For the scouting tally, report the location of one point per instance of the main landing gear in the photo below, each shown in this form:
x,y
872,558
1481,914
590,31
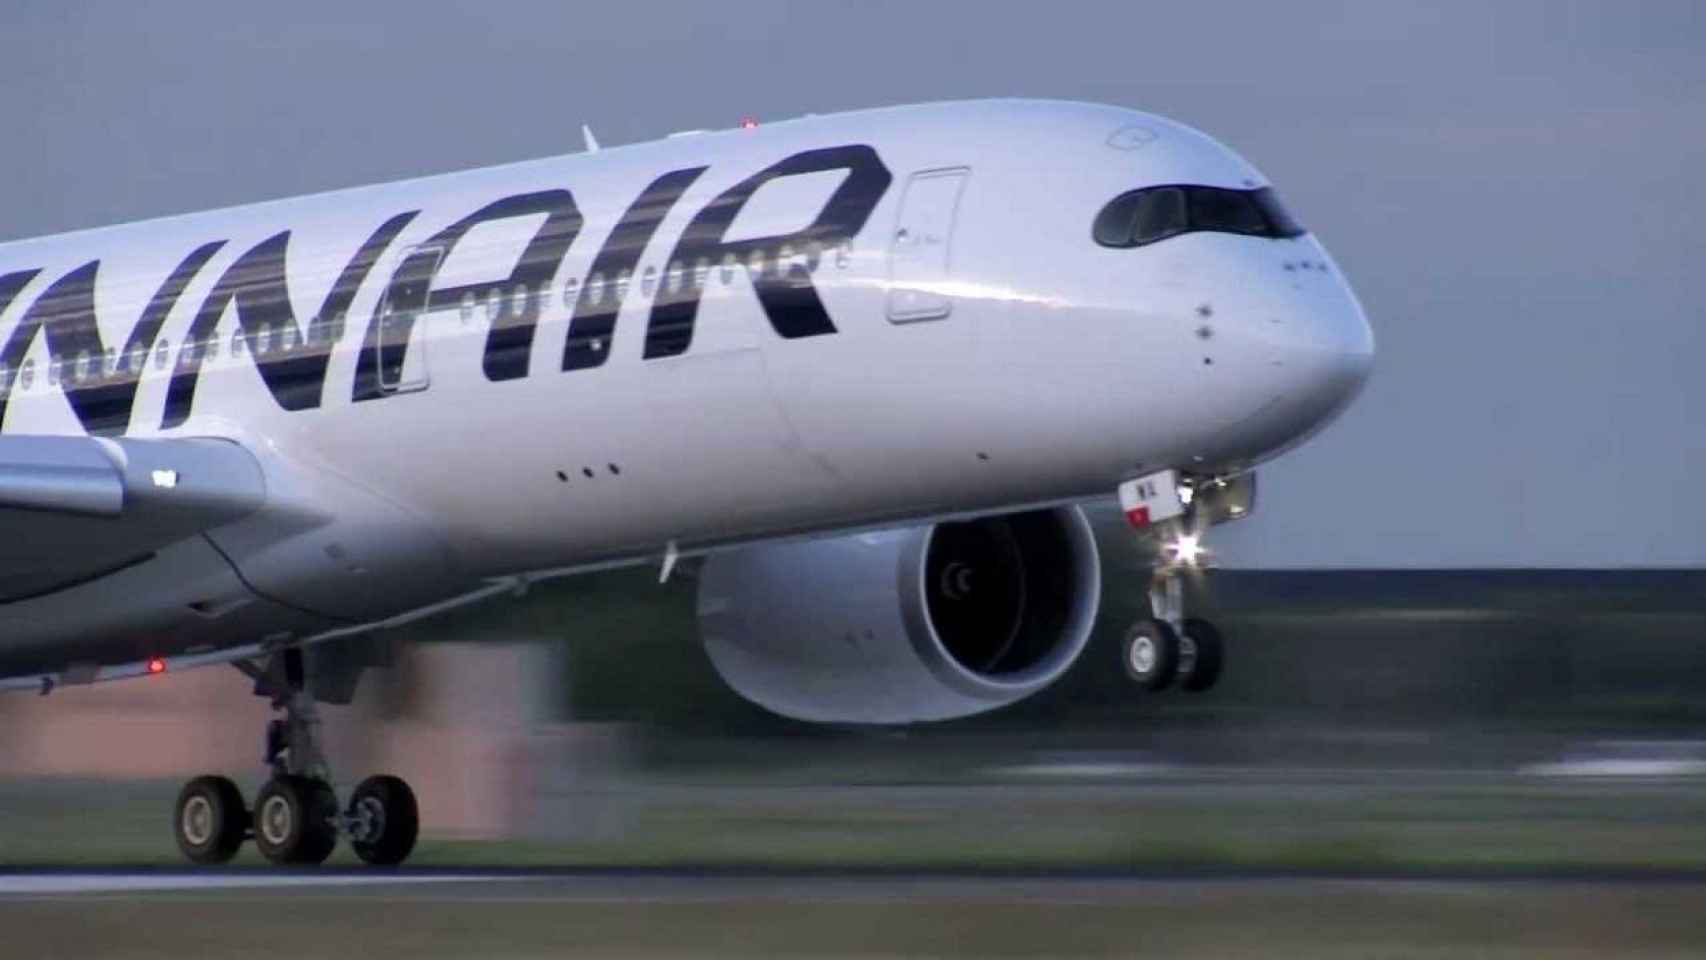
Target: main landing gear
x,y
1168,647
296,819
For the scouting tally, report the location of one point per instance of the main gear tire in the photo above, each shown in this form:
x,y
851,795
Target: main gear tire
x,y
209,820
296,821
384,820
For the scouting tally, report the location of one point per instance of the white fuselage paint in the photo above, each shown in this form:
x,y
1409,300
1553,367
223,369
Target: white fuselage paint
x,y
1061,368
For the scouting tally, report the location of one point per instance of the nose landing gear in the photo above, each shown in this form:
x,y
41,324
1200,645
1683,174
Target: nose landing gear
x,y
1161,650
1168,647
296,819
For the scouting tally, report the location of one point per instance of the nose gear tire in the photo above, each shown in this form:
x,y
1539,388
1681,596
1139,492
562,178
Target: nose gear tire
x,y
1150,653
1210,654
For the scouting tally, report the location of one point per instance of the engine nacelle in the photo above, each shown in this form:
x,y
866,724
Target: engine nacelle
x,y
925,623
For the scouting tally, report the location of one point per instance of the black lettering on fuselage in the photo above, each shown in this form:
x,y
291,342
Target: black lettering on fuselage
x,y
11,285
98,381
292,361
511,337
601,299
784,289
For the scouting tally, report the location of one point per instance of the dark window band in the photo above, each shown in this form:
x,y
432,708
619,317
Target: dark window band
x,y
1155,213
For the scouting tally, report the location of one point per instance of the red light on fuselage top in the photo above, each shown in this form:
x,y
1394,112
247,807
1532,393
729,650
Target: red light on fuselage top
x,y
749,123
156,665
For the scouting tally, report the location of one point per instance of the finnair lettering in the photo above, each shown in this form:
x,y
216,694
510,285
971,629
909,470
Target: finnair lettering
x,y
511,338
101,381
784,289
295,372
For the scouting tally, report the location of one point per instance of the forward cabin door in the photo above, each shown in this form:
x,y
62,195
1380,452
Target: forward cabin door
x,y
404,321
921,247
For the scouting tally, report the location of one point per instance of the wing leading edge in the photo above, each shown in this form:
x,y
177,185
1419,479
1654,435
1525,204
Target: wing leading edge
x,y
75,508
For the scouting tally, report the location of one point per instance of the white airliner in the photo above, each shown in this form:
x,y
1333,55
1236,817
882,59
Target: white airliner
x,y
861,367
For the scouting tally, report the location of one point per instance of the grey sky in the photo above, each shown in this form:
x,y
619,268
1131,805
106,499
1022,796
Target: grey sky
x,y
1513,188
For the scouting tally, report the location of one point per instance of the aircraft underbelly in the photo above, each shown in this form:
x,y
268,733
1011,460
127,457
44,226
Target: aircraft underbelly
x,y
182,599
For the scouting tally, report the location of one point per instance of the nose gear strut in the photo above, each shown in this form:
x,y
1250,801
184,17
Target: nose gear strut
x,y
1173,511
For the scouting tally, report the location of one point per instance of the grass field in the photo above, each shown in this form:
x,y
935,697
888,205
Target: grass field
x,y
1330,821
1251,863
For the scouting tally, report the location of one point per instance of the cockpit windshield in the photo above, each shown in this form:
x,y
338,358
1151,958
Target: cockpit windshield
x,y
1156,213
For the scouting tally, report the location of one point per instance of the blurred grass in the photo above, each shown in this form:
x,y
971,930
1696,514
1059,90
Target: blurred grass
x,y
1345,823
1332,822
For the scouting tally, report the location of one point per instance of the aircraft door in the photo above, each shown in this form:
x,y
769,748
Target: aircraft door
x,y
404,321
920,261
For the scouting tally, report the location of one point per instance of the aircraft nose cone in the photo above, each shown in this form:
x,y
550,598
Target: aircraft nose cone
x,y
1280,349
1326,358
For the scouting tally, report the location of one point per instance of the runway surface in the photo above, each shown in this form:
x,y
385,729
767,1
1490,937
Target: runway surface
x,y
713,913
644,884
663,886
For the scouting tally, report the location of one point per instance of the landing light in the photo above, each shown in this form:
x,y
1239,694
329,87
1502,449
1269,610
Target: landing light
x,y
1188,549
749,123
156,665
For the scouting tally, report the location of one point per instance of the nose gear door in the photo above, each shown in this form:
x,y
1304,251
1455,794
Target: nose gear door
x,y
920,261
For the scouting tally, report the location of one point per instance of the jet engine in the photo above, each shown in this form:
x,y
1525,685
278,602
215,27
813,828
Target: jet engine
x,y
897,626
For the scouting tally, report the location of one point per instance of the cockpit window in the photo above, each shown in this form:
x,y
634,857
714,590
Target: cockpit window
x,y
1278,216
1160,214
1156,213
1226,211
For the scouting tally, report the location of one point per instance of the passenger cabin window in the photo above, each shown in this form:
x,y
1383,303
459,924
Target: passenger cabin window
x,y
1156,213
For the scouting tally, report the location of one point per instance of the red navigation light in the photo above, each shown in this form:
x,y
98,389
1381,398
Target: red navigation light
x,y
156,665
749,123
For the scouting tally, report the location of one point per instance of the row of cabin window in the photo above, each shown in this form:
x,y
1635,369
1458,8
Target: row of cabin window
x,y
91,367
602,290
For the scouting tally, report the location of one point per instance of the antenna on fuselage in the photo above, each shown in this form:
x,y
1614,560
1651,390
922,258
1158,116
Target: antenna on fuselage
x,y
591,141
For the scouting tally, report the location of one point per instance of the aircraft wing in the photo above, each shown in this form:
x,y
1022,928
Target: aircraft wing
x,y
76,508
